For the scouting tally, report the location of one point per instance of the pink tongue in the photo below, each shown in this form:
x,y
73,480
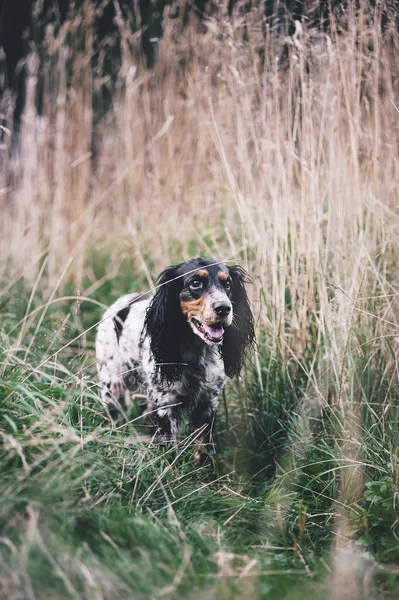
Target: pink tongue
x,y
214,333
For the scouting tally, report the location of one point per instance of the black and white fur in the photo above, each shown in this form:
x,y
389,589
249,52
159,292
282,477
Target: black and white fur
x,y
179,344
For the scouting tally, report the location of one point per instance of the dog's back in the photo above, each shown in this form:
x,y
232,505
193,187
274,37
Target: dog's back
x,y
122,323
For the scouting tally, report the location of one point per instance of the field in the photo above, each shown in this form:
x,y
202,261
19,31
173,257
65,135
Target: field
x,y
280,154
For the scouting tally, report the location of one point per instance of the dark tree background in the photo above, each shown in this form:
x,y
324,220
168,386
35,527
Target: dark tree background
x,y
23,24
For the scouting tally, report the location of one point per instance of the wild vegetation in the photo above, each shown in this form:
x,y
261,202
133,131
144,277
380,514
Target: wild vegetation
x,y
288,167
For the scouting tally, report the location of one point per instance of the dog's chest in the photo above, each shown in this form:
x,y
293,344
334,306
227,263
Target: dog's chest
x,y
203,377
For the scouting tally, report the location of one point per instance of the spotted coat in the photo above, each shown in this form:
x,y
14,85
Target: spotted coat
x,y
125,363
177,346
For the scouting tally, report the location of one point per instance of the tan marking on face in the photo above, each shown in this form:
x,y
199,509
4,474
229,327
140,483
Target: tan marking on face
x,y
200,308
202,273
192,308
222,276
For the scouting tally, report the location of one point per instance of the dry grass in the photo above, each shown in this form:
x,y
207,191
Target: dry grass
x,y
280,165
291,168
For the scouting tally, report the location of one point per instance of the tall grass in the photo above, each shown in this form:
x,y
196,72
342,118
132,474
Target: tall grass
x,y
278,153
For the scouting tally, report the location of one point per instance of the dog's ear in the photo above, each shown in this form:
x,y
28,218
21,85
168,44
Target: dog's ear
x,y
164,325
240,336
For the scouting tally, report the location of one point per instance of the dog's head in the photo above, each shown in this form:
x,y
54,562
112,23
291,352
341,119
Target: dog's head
x,y
203,298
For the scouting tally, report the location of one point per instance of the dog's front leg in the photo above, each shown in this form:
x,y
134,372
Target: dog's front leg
x,y
165,418
202,419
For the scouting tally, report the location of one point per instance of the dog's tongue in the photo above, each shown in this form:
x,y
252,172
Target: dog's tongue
x,y
215,333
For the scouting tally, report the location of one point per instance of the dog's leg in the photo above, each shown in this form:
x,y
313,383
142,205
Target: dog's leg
x,y
166,423
165,418
202,419
112,390
111,368
148,417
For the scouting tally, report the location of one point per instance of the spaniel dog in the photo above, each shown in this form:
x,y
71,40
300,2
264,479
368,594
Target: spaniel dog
x,y
179,344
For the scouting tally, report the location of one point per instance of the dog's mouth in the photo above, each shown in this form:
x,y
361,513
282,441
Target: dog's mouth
x,y
212,333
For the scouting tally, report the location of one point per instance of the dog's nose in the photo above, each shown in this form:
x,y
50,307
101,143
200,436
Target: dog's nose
x,y
222,309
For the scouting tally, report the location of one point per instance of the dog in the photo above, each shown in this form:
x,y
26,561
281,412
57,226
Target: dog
x,y
179,345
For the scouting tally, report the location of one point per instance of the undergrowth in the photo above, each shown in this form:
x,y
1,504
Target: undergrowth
x,y
90,510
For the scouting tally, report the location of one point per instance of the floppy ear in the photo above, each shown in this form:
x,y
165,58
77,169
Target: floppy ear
x,y
164,324
240,336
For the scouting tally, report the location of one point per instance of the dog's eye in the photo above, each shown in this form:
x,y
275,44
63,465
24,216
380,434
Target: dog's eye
x,y
227,284
196,284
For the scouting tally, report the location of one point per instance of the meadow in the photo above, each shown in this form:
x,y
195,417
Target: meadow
x,y
277,153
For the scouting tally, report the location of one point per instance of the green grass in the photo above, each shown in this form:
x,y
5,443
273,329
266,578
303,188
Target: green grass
x,y
89,511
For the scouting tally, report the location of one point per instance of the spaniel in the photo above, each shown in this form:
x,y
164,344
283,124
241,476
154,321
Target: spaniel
x,y
178,345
